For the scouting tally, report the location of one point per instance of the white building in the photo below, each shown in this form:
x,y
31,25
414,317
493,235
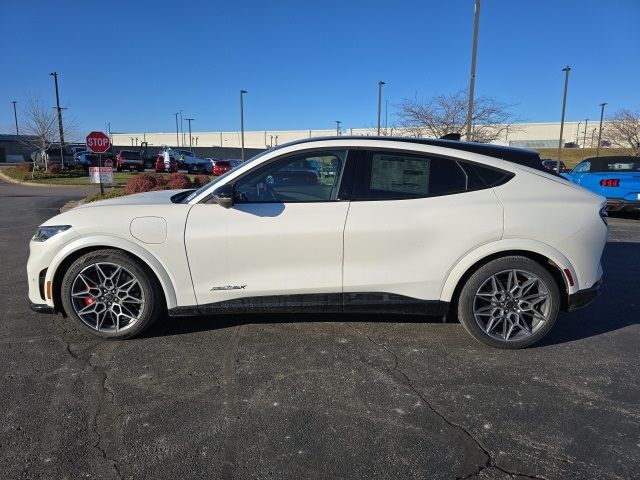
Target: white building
x,y
528,135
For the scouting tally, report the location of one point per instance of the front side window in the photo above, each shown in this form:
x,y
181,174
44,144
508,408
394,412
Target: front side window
x,y
308,177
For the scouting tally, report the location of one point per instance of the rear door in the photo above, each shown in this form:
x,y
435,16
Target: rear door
x,y
412,217
283,236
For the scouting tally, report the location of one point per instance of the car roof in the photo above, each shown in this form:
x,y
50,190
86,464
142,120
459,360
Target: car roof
x,y
529,158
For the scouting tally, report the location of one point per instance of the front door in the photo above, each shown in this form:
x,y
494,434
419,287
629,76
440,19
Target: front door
x,y
282,237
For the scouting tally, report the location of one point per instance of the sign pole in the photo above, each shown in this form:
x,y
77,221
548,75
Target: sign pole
x,y
100,174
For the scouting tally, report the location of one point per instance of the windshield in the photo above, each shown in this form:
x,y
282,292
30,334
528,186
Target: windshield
x,y
221,177
617,165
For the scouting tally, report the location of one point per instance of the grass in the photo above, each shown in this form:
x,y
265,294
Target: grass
x,y
73,177
572,156
113,193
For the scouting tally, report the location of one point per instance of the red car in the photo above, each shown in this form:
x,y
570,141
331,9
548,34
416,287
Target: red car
x,y
173,165
220,167
129,160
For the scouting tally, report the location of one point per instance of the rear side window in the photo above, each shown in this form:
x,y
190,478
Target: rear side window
x,y
399,175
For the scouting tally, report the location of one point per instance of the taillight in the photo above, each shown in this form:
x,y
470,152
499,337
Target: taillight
x,y
604,215
610,182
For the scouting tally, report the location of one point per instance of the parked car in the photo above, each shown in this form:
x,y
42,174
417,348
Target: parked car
x,y
160,166
406,226
617,178
203,167
129,160
220,167
552,165
187,158
78,150
85,160
52,156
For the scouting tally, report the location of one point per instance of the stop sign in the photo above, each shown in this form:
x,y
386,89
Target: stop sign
x,y
98,142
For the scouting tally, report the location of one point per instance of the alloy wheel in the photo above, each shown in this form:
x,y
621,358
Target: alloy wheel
x,y
512,305
107,297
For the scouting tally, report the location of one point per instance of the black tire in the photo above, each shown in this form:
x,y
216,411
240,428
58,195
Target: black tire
x,y
467,300
153,305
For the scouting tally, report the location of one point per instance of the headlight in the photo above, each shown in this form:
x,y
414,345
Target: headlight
x,y
45,233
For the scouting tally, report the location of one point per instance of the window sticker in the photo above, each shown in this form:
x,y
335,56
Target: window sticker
x,y
395,173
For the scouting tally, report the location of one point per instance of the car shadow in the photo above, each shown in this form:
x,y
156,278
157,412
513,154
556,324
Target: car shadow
x,y
618,307
170,326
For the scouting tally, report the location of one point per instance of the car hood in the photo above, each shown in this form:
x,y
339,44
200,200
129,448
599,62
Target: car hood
x,y
160,197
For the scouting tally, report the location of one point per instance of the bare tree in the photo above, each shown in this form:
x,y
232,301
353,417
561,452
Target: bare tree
x,y
623,130
39,127
444,114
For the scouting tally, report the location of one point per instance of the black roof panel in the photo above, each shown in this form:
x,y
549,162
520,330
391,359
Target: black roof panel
x,y
529,158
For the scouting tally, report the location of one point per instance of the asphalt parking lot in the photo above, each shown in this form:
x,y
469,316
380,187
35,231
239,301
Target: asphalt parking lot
x,y
285,396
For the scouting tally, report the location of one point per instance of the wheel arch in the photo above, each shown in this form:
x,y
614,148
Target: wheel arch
x,y
546,256
76,249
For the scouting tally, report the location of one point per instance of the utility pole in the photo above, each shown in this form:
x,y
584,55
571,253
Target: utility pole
x,y
566,71
60,129
600,132
380,84
242,92
177,132
15,116
338,122
189,120
181,129
578,133
472,78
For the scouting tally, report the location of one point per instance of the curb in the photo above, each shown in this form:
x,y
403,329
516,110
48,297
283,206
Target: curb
x,y
70,205
8,179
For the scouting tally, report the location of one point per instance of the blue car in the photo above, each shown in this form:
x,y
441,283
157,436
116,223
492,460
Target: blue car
x,y
617,178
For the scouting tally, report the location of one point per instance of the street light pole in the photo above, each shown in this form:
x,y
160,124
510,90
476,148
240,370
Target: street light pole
x,y
600,132
566,71
242,92
578,133
584,138
60,129
15,116
189,120
338,122
177,132
380,83
472,77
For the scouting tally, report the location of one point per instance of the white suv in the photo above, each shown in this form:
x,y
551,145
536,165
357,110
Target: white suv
x,y
428,227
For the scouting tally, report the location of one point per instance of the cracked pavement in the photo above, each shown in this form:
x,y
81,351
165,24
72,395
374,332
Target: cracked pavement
x,y
315,396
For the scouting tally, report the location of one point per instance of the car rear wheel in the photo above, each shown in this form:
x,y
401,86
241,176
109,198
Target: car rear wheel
x,y
110,294
511,302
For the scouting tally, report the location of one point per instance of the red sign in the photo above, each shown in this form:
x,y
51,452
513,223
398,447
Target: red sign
x,y
98,142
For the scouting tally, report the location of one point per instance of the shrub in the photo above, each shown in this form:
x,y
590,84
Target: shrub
x,y
140,183
161,180
201,180
54,168
26,166
178,181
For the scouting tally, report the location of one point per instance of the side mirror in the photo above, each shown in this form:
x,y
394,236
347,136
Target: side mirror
x,y
223,195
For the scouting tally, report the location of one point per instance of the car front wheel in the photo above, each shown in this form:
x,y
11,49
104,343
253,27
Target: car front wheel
x,y
110,294
511,302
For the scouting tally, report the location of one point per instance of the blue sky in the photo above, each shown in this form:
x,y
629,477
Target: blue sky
x,y
306,64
